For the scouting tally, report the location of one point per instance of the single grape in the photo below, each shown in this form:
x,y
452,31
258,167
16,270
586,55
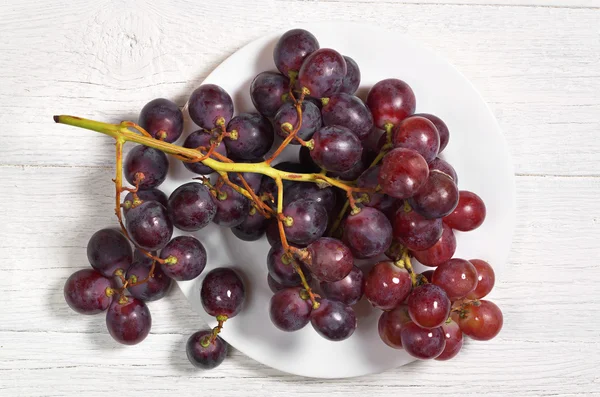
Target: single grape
x,y
282,270
252,228
324,196
368,233
269,91
322,72
274,285
209,103
428,306
333,320
348,290
305,159
191,207
458,277
369,180
162,119
403,172
391,101
351,80
485,279
348,111
336,148
419,134
390,325
128,320
190,255
454,340
204,351
154,289
481,320
286,120
150,162
290,309
292,48
422,343
308,221
88,292
441,128
414,231
232,207
149,225
144,195
108,250
351,173
222,292
329,259
445,167
441,252
254,136
387,285
437,198
202,138
469,214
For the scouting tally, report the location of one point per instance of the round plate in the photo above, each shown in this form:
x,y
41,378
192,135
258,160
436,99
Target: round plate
x,y
477,151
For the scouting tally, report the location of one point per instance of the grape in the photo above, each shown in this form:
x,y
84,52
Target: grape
x,y
348,290
222,293
191,207
387,285
336,148
252,228
437,198
403,172
272,233
458,277
154,289
150,162
391,101
445,167
232,207
308,164
348,111
274,285
333,320
282,271
441,128
485,279
128,322
351,80
481,320
309,221
368,233
289,311
197,139
329,259
351,173
428,306
149,225
419,134
442,251
469,214
369,180
139,256
390,325
414,231
162,119
108,250
86,292
207,104
253,179
268,92
454,340
190,255
422,343
292,48
287,114
324,196
144,195
255,136
322,72
204,352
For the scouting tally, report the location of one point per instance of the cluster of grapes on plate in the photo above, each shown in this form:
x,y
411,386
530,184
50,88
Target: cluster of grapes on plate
x,y
381,196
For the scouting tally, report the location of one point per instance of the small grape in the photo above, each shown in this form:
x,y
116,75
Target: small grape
x,y
108,250
437,198
282,270
268,92
222,292
206,352
441,252
391,101
232,207
348,111
387,285
88,292
254,136
454,340
329,259
128,320
368,233
287,117
190,255
422,343
481,320
390,325
348,290
145,195
469,213
428,306
162,119
290,310
154,289
485,279
150,162
403,172
292,48
441,128
209,103
414,231
419,134
322,72
191,207
309,221
252,227
336,148
458,277
149,225
197,139
351,80
445,167
334,320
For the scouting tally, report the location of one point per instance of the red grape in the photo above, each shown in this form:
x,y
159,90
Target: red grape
x,y
390,325
222,292
391,101
441,252
149,225
287,114
207,104
422,343
322,72
86,292
469,214
150,162
292,48
414,231
329,259
267,91
333,320
348,290
458,277
202,138
485,279
191,207
437,198
403,172
351,80
283,271
419,134
454,340
441,128
190,255
288,310
387,285
309,221
336,148
128,321
445,167
348,111
428,306
108,250
154,289
162,119
481,320
255,136
205,353
368,233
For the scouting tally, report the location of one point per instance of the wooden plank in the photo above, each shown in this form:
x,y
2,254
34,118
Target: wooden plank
x,y
491,3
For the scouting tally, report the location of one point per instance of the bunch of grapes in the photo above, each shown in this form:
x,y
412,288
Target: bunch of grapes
x,y
380,196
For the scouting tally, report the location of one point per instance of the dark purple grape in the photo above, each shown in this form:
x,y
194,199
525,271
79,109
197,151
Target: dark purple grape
x,y
255,136
333,320
441,128
191,207
403,172
232,207
329,259
322,72
437,198
369,180
419,134
154,289
336,148
204,351
422,343
252,228
108,250
387,285
307,162
128,322
445,167
222,293
442,251
149,225
414,231
290,310
144,195
87,292
202,138
162,119
351,80
274,285
308,221
428,306
286,120
292,48
348,111
140,257
268,91
282,270
150,162
391,101
368,233
351,173
348,290
209,103
272,233
325,196
190,255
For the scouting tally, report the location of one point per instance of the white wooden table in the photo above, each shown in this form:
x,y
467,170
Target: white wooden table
x,y
536,62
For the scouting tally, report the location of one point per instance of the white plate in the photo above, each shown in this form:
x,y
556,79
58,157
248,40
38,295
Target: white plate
x,y
477,151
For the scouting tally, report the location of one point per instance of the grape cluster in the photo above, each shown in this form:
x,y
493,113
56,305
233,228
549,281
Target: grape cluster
x,y
397,201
